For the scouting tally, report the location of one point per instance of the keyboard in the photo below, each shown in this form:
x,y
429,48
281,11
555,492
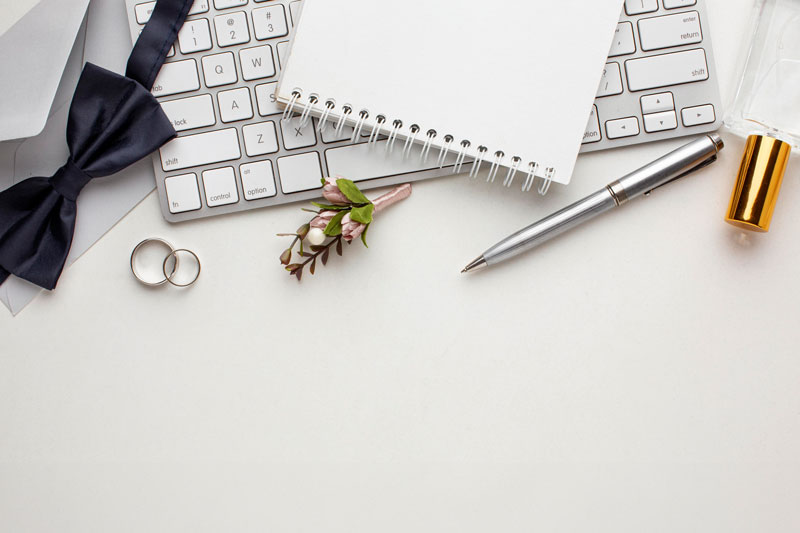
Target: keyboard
x,y
234,152
660,81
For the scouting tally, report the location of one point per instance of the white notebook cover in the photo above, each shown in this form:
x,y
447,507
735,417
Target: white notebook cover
x,y
517,77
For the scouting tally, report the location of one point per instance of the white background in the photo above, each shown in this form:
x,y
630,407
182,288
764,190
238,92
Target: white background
x,y
638,374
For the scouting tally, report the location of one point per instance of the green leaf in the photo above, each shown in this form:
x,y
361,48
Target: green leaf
x,y
363,214
329,207
334,227
364,236
294,267
322,181
286,257
352,192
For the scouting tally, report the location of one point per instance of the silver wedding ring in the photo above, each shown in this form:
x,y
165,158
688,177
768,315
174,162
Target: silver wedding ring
x,y
171,276
169,267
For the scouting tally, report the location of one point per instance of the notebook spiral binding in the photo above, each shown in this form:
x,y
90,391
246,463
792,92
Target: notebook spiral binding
x,y
327,113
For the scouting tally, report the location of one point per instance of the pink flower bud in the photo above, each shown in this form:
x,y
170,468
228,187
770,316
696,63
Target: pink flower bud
x,y
322,220
332,193
351,229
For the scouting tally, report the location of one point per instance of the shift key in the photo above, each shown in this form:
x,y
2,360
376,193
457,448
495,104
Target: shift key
x,y
667,69
201,149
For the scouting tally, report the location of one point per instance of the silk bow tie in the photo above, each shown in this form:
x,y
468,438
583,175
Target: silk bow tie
x,y
114,121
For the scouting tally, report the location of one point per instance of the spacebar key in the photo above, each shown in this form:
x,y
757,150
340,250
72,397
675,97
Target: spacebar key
x,y
201,149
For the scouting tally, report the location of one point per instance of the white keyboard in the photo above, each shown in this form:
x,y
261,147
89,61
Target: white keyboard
x,y
235,153
660,81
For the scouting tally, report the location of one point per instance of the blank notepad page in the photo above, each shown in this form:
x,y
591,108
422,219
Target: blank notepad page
x,y
515,80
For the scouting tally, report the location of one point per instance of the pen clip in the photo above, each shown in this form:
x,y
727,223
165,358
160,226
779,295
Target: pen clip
x,y
702,165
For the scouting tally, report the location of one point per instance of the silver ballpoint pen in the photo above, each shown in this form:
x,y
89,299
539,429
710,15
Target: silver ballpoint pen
x,y
672,166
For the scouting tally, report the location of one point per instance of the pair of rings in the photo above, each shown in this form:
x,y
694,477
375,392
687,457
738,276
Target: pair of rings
x,y
169,271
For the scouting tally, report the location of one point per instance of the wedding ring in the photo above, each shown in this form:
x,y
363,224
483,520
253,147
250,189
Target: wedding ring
x,y
155,241
171,277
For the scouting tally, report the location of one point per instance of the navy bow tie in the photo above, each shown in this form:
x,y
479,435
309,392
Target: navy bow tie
x,y
114,121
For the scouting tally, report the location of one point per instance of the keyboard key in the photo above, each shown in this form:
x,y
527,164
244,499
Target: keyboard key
x,y
220,187
283,53
232,29
235,105
656,103
294,11
592,133
656,122
611,83
144,10
200,149
667,69
695,116
257,62
225,4
219,69
195,36
177,77
301,172
260,139
358,161
623,40
267,102
329,133
675,4
295,136
270,22
182,193
624,127
637,7
258,180
190,113
672,30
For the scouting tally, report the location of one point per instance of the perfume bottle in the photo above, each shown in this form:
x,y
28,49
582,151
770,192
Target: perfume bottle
x,y
766,111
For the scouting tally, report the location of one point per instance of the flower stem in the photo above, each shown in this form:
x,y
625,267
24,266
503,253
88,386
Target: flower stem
x,y
398,194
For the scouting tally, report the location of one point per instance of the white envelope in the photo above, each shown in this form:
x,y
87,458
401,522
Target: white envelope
x,y
106,42
33,53
13,10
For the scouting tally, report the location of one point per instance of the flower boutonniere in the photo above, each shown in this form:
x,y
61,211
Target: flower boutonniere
x,y
346,217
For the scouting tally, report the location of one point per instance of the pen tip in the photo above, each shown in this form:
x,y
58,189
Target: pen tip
x,y
475,265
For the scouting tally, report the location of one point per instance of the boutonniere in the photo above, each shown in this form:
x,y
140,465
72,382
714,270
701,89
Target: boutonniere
x,y
346,217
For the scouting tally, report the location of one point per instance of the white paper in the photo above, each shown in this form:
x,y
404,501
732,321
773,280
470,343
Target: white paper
x,y
516,77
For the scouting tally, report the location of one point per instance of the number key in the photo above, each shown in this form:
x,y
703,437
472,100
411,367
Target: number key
x,y
270,22
637,7
195,36
232,29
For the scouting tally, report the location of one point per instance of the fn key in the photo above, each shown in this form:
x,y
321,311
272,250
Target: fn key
x,y
182,193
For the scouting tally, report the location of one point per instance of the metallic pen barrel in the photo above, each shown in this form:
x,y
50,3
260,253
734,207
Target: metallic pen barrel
x,y
664,170
550,227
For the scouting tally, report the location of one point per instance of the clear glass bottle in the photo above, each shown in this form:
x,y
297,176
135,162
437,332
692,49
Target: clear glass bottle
x,y
766,111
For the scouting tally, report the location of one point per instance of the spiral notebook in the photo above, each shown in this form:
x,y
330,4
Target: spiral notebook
x,y
508,84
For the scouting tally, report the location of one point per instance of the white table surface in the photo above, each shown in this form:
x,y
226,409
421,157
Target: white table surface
x,y
638,374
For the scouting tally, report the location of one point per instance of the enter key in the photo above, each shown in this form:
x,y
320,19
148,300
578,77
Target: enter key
x,y
671,30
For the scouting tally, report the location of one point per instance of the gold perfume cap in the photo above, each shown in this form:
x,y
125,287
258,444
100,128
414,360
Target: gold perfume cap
x,y
759,183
